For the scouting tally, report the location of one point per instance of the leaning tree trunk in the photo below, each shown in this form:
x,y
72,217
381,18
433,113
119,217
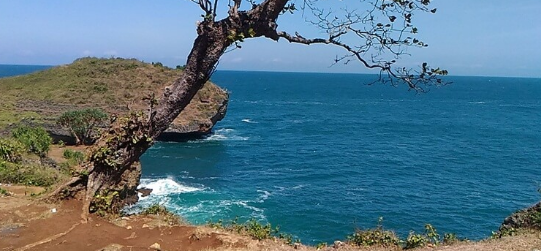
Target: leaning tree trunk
x,y
108,180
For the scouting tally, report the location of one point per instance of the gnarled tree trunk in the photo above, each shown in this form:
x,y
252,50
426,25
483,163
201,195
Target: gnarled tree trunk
x,y
111,174
109,178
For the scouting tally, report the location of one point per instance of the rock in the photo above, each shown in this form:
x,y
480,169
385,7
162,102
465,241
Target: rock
x,y
112,247
525,218
338,244
144,191
156,246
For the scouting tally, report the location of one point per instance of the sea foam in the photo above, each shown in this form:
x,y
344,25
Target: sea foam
x,y
225,134
166,186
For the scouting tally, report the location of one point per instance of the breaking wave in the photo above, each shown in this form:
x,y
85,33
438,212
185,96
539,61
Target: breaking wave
x,y
225,134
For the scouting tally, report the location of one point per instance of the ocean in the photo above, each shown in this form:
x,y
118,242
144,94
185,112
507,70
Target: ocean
x,y
321,155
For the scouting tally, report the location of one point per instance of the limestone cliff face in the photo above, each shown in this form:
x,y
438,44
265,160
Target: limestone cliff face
x,y
207,108
114,85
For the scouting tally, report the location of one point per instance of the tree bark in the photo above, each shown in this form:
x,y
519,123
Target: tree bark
x,y
108,180
109,177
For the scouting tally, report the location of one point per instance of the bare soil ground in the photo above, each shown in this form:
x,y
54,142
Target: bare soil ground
x,y
28,224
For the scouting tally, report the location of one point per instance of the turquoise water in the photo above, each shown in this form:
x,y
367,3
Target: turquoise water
x,y
322,154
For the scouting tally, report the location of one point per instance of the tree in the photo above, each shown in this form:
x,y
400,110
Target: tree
x,y
376,37
81,123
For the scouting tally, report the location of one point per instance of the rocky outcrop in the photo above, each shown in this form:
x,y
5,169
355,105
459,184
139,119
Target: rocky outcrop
x,y
528,218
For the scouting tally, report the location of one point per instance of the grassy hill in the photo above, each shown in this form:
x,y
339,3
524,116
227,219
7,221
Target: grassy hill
x,y
115,85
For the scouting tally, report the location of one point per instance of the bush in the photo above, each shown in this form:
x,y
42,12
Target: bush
x,y
450,238
374,237
259,231
27,175
415,240
159,210
11,150
36,139
155,209
75,156
430,236
4,192
82,123
254,229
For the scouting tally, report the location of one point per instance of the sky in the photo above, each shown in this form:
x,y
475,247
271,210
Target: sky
x,y
466,37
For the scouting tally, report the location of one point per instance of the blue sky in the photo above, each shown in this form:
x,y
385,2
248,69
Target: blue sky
x,y
467,37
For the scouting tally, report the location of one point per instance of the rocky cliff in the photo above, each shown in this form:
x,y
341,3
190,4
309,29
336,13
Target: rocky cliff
x,y
115,85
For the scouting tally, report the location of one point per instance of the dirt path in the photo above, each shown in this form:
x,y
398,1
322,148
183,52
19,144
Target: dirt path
x,y
26,224
30,225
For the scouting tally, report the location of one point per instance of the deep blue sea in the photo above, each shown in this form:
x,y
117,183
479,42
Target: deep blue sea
x,y
322,154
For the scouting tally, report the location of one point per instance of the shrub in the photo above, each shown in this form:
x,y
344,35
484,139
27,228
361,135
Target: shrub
x,y
11,150
415,240
157,64
321,245
159,210
155,209
75,156
36,139
254,229
102,202
430,236
450,238
374,237
27,175
82,123
4,192
257,230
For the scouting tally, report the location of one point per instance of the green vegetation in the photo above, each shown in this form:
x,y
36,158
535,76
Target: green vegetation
x,y
430,236
36,139
159,210
76,156
385,238
321,245
4,192
450,238
374,237
415,240
102,203
16,154
31,175
11,150
254,229
155,209
82,123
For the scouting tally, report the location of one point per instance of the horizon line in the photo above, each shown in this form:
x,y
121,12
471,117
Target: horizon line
x,y
309,72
